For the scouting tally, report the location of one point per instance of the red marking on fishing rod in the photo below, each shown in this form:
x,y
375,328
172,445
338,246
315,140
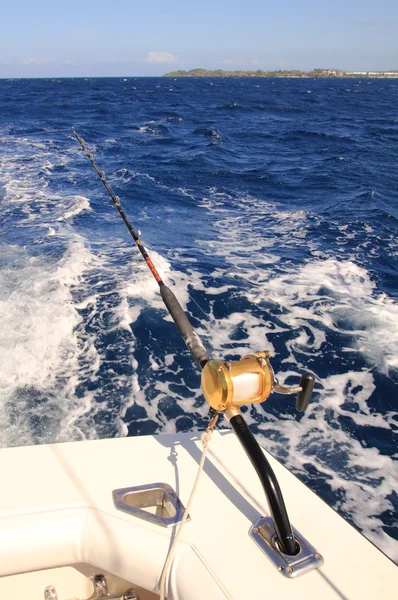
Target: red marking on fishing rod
x,y
153,269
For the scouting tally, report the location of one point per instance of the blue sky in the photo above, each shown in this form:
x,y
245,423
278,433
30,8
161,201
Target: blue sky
x,y
132,38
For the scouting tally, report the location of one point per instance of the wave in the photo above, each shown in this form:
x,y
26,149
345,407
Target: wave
x,y
210,133
39,351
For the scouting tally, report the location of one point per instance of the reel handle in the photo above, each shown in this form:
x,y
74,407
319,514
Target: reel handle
x,y
307,383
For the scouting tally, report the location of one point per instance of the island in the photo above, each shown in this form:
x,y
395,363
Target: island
x,y
317,73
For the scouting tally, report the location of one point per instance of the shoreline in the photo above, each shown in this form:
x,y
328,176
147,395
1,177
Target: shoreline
x,y
292,74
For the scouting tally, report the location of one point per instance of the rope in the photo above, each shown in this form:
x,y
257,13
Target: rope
x,y
166,569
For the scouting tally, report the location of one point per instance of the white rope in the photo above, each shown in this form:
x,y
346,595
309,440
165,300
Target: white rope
x,y
205,441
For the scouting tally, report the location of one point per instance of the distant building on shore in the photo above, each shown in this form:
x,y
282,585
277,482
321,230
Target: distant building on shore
x,y
374,73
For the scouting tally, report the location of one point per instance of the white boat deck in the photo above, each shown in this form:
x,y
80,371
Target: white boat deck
x,y
57,510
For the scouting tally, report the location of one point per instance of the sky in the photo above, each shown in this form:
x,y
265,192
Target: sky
x,y
42,38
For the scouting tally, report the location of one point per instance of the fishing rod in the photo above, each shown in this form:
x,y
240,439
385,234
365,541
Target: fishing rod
x,y
177,313
228,385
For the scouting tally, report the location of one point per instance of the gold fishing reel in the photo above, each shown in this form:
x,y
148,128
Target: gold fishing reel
x,y
250,380
231,384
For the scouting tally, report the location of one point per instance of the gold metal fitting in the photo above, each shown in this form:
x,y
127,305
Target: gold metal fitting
x,y
226,385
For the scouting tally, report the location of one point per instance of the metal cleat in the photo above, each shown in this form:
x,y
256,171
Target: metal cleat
x,y
101,591
50,593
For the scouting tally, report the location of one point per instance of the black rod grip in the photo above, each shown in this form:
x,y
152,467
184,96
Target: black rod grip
x,y
190,336
270,484
307,383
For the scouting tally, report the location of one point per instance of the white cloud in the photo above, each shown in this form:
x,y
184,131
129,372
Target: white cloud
x,y
35,61
161,57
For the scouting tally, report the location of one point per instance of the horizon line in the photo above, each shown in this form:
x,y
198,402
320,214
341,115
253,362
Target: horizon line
x,y
9,77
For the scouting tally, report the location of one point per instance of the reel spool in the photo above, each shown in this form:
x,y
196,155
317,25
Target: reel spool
x,y
250,380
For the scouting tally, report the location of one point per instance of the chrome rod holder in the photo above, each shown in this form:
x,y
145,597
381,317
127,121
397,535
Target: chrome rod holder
x,y
307,558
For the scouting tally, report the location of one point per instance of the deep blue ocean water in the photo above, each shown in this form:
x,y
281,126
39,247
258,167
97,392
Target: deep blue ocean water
x,y
270,206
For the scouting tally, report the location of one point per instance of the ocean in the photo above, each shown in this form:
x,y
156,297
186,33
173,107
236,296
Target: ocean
x,y
269,206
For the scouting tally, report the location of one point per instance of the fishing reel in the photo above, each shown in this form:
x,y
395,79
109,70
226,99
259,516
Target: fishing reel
x,y
229,385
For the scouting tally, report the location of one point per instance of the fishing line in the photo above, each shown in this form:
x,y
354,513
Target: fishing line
x,y
212,322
